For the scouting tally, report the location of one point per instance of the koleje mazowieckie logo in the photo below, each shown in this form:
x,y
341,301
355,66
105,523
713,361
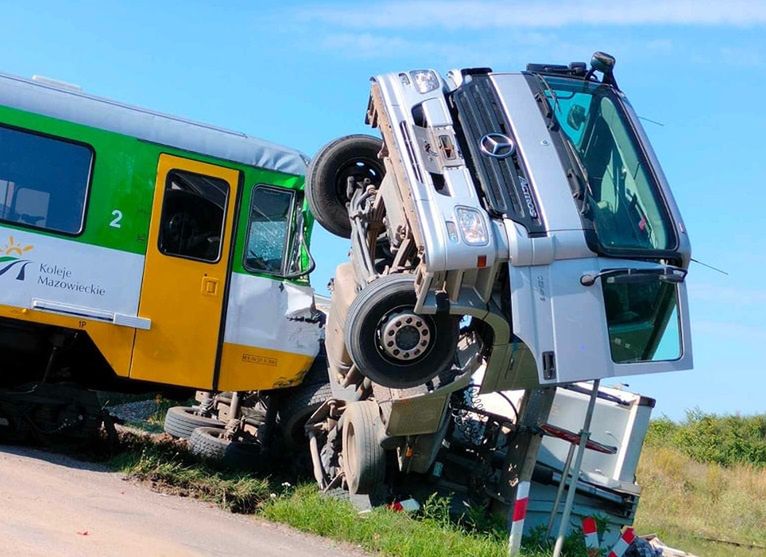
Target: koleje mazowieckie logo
x,y
12,258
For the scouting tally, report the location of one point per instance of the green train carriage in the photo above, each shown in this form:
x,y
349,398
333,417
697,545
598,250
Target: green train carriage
x,y
143,246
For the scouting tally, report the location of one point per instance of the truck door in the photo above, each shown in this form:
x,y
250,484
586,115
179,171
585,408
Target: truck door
x,y
612,326
185,273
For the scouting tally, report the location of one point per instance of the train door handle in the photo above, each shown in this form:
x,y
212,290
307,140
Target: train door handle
x,y
210,286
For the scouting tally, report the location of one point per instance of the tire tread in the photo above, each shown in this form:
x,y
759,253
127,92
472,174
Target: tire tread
x,y
180,422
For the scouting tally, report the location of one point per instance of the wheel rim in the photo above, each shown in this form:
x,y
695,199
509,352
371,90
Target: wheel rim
x,y
404,337
360,169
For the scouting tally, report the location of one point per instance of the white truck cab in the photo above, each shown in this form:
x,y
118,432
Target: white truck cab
x,y
530,202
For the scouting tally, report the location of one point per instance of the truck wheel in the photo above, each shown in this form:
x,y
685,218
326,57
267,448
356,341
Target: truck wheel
x,y
327,178
211,443
390,343
180,421
297,407
364,462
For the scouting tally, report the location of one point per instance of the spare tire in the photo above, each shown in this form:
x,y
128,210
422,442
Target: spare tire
x,y
327,178
181,421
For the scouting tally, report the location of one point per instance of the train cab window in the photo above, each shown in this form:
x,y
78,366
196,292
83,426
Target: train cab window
x,y
43,181
268,233
192,219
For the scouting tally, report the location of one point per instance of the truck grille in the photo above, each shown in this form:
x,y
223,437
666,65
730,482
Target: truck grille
x,y
504,182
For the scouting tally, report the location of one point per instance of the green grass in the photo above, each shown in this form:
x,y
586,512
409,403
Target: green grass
x,y
688,495
380,530
710,438
431,533
683,500
169,467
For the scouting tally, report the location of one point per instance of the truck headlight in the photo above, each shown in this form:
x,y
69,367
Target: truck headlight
x,y
425,80
472,227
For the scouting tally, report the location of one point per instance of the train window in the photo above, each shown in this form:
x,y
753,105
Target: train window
x,y
43,181
268,233
192,219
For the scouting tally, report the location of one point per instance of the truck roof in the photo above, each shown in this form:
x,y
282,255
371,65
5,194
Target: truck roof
x,y
68,103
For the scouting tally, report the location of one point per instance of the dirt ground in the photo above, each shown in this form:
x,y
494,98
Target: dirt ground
x,y
55,505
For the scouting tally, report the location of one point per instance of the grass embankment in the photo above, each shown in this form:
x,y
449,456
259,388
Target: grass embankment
x,y
706,478
382,530
168,467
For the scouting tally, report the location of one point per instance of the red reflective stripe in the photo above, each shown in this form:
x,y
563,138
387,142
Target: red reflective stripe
x,y
623,543
520,509
589,525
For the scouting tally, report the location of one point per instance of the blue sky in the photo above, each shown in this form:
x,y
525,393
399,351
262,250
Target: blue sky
x,y
297,73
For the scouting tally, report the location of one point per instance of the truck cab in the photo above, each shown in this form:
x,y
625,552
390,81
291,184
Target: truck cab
x,y
530,203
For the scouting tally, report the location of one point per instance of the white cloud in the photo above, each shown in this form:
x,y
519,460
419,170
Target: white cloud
x,y
461,51
482,14
367,45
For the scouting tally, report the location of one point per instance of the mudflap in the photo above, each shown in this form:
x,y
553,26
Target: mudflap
x,y
50,413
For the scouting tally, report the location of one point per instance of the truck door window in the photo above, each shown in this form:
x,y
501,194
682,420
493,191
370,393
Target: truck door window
x,y
643,321
43,181
192,216
268,231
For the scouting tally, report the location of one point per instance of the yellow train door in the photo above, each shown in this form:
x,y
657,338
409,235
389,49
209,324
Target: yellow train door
x,y
185,272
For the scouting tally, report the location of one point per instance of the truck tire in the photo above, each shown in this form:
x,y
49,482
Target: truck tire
x,y
391,344
210,443
364,461
297,407
328,173
181,421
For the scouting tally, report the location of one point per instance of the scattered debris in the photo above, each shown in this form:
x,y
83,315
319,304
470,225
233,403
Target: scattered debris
x,y
666,551
407,505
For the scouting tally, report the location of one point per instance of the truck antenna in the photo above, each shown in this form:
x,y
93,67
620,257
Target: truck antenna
x,y
710,267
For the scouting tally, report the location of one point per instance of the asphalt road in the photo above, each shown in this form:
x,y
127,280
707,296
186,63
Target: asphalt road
x,y
54,505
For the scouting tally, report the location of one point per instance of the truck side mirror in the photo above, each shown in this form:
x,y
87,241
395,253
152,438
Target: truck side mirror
x,y
602,62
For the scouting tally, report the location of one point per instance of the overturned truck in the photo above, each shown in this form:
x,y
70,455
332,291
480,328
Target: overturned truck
x,y
513,224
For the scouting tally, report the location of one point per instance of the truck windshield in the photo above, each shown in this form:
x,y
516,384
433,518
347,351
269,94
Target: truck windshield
x,y
622,198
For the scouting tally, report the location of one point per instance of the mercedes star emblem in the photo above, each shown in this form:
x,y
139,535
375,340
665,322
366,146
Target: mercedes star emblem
x,y
497,145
